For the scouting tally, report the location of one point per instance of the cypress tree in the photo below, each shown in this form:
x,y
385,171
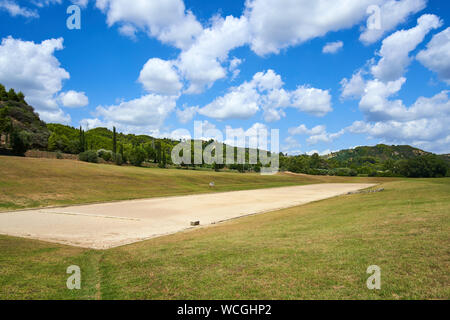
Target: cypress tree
x,y
83,143
114,141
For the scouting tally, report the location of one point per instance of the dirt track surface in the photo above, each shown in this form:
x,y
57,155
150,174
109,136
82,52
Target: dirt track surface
x,y
107,225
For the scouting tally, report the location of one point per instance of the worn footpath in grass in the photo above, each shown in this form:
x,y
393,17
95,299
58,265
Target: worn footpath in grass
x,y
317,251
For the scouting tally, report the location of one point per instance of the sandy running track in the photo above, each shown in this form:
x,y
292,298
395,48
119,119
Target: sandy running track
x,y
107,225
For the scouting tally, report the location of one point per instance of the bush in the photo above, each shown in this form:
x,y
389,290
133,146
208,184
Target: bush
x,y
20,142
88,156
106,155
161,165
137,156
59,155
118,159
346,172
426,166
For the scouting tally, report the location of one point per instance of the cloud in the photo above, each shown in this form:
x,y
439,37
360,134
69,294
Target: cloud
x,y
311,100
239,103
320,153
436,56
316,134
392,13
81,3
278,24
396,48
33,69
291,146
201,64
266,25
253,137
166,20
142,115
43,3
15,10
73,99
159,76
265,92
129,31
233,67
333,47
187,114
423,124
353,88
375,103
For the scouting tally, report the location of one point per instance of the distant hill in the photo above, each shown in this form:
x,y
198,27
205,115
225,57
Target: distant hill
x,y
380,152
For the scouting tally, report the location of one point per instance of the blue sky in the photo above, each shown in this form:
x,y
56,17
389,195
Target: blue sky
x,y
155,66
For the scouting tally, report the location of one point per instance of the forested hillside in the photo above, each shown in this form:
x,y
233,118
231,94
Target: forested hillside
x,y
379,152
20,126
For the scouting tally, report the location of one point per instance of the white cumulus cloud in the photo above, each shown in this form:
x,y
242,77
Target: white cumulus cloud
x,y
73,99
159,76
391,14
202,63
316,134
436,56
16,10
278,24
143,114
33,69
265,92
395,49
333,47
166,20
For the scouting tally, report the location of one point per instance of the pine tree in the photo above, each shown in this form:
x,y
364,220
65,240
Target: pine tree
x,y
21,97
12,96
3,93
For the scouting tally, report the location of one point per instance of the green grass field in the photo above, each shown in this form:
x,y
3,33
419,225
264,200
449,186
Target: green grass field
x,y
317,251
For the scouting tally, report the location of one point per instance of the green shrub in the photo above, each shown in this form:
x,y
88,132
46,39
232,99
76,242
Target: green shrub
x,y
118,159
59,155
20,141
88,156
137,156
346,172
425,166
106,155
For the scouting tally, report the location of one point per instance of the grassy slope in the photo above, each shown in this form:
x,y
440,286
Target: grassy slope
x,y
28,182
320,250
